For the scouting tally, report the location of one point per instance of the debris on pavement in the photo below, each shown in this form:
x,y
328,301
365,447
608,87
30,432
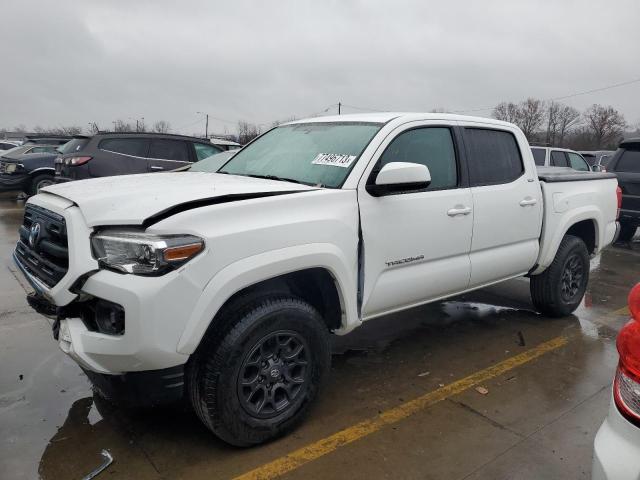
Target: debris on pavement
x,y
423,374
108,460
482,390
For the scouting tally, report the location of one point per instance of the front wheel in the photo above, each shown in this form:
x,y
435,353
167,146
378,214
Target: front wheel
x,y
256,379
558,290
39,182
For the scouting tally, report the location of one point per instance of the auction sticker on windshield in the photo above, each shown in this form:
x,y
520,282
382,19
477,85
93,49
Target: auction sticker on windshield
x,y
334,159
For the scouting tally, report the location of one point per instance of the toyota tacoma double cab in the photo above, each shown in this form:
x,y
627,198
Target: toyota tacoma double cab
x,y
223,287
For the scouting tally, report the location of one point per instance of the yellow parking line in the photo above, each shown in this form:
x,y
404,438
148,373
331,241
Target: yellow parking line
x,y
327,445
621,311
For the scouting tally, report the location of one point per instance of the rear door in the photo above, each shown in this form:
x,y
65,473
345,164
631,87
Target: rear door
x,y
626,166
558,159
168,154
118,156
507,205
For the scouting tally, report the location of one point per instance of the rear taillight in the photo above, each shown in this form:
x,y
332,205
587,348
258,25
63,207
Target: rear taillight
x,y
619,197
76,161
626,386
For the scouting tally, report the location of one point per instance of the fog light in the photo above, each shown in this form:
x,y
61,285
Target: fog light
x,y
109,318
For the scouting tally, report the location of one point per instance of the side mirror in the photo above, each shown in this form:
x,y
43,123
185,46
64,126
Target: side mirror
x,y
596,168
398,177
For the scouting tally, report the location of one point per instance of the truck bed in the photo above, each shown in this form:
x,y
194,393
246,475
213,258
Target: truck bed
x,y
565,174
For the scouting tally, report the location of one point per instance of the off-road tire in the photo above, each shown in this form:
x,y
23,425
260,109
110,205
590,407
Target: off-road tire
x,y
547,288
627,231
215,369
40,181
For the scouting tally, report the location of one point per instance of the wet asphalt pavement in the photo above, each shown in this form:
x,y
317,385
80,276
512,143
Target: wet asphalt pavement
x,y
536,420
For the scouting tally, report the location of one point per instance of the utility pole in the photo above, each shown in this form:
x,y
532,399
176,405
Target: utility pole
x,y
206,125
137,128
339,107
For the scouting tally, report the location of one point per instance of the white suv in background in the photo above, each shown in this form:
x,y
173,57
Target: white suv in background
x,y
559,157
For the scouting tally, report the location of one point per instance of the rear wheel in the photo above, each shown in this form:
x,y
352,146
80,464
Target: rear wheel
x,y
40,181
559,289
255,379
627,231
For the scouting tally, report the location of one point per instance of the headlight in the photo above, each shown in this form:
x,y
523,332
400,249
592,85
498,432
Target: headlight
x,y
143,253
12,167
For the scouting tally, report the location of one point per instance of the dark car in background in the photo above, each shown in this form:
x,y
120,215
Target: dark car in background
x,y
28,168
107,154
626,165
597,159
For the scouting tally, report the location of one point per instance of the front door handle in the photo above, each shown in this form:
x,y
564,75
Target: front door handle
x,y
459,210
155,167
528,201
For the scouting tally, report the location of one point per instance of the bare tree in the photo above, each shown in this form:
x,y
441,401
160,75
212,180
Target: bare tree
x,y
247,132
62,130
531,116
507,112
560,120
122,126
568,118
161,126
605,125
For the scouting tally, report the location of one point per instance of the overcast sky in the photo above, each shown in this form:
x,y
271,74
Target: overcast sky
x,y
73,62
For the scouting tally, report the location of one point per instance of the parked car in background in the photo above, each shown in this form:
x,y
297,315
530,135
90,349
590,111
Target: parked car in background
x,y
617,443
625,163
107,154
47,139
598,159
559,157
8,145
223,287
28,168
226,144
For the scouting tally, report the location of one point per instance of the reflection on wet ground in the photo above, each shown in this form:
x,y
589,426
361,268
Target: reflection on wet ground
x,y
538,421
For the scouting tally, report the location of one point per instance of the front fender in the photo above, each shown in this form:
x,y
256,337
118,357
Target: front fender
x,y
252,270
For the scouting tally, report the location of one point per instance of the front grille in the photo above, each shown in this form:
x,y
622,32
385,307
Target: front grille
x,y
42,248
3,166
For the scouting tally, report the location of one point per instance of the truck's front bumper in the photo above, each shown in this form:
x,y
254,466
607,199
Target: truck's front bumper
x,y
616,454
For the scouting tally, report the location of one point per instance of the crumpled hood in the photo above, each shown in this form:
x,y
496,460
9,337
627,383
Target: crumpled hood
x,y
132,199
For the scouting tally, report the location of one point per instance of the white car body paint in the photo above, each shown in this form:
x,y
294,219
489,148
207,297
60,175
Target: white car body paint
x,y
418,247
616,454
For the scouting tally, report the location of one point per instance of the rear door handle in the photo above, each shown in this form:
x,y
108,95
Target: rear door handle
x,y
459,210
155,167
528,201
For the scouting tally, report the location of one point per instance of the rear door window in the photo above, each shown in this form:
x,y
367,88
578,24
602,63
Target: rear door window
x,y
136,147
204,151
539,155
559,159
629,161
494,156
165,149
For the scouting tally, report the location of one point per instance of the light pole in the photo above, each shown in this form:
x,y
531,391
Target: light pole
x,y
206,126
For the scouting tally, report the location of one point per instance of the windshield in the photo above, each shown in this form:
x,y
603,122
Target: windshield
x,y
310,153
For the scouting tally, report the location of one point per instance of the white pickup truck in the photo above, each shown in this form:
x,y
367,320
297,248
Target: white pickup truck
x,y
223,287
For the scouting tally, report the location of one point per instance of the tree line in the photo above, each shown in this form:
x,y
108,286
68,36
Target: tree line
x,y
599,127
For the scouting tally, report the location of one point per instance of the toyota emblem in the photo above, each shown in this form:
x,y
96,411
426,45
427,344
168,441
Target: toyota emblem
x,y
34,233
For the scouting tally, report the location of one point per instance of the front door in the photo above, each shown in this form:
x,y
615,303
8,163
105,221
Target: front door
x,y
416,244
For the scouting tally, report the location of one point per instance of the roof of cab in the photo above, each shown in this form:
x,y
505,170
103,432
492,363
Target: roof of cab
x,y
384,117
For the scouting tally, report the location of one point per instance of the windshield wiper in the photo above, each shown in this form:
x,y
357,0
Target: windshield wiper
x,y
281,179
